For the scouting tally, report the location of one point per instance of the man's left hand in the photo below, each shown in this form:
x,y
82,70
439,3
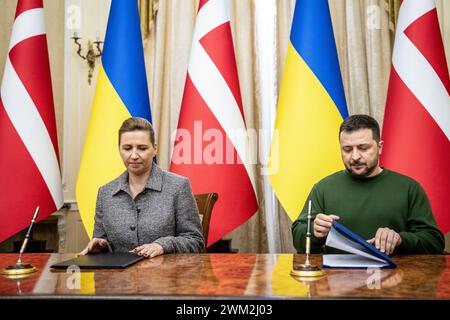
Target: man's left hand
x,y
386,240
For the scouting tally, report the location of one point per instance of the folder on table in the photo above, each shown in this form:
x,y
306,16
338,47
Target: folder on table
x,y
361,253
106,260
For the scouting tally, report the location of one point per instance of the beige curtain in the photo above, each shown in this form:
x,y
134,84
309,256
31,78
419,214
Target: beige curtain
x,y
147,13
364,42
252,235
166,51
443,9
284,13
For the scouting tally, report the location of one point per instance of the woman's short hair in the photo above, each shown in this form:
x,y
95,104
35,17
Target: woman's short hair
x,y
138,124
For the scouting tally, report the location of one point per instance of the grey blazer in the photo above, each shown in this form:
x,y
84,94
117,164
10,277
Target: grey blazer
x,y
165,212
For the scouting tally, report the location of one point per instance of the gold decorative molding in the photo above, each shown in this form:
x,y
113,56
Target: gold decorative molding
x,y
148,9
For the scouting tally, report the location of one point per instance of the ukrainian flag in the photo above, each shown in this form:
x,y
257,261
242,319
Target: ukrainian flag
x,y
311,107
121,92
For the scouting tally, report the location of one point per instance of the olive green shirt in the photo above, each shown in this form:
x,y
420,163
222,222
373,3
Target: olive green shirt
x,y
388,200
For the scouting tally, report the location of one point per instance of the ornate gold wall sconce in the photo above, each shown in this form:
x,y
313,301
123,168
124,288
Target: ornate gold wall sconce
x,y
91,54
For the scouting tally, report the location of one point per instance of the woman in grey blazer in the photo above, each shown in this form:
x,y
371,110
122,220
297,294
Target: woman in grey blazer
x,y
145,210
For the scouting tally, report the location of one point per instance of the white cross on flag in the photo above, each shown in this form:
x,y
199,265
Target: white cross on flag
x,y
211,146
416,128
29,161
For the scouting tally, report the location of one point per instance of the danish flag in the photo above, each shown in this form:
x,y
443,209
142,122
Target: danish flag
x,y
212,145
416,128
29,161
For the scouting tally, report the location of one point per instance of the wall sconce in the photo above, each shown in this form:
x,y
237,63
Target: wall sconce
x,y
91,55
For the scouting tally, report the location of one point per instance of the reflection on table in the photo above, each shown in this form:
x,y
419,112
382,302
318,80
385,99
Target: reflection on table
x,y
231,275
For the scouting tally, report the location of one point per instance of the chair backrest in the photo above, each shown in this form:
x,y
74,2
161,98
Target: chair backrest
x,y
205,204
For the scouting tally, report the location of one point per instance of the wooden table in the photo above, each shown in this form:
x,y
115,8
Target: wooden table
x,y
234,276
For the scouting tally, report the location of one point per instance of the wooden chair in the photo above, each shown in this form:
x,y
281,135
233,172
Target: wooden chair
x,y
205,204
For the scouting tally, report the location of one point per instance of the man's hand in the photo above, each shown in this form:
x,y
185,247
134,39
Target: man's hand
x,y
94,246
386,240
149,250
322,224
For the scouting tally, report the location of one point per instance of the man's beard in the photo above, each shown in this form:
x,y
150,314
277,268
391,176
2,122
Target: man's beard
x,y
365,173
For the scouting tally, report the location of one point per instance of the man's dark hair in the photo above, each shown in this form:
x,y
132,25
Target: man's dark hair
x,y
361,121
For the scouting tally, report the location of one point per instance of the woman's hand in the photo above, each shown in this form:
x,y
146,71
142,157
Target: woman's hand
x,y
149,250
95,246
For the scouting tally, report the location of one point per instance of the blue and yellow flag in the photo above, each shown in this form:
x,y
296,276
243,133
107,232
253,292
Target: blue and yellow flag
x,y
121,92
311,107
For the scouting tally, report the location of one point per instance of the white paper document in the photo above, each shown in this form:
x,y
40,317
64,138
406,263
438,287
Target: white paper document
x,y
362,254
351,261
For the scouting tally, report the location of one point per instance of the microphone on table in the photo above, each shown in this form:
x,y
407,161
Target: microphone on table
x,y
21,269
307,270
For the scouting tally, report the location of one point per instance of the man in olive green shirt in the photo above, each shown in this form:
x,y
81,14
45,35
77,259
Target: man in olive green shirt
x,y
388,209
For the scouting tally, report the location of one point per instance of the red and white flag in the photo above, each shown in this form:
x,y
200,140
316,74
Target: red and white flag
x,y
211,146
416,129
29,161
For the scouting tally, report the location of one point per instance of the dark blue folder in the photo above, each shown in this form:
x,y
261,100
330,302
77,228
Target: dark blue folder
x,y
369,247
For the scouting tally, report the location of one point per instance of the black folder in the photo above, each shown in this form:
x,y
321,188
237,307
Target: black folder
x,y
106,260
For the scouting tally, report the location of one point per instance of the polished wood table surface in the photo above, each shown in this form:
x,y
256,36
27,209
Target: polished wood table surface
x,y
233,276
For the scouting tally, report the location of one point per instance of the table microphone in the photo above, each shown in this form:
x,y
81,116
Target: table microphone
x,y
307,269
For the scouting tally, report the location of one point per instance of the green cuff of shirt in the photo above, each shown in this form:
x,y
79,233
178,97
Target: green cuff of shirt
x,y
424,243
404,247
407,244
